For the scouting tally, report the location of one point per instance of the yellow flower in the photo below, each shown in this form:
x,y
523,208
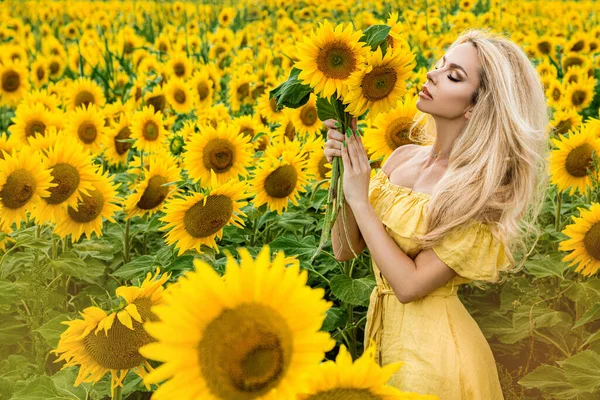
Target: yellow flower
x,y
253,333
84,92
85,124
329,57
580,234
147,128
305,118
179,95
14,82
31,121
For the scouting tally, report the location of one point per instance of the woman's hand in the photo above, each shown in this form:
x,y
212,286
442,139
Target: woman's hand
x,y
357,170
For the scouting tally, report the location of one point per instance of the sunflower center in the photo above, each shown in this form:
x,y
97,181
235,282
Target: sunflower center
x,y
245,351
243,90
203,220
67,179
390,41
218,155
54,67
40,73
179,96
591,241
281,182
571,61
379,83
544,47
118,349
335,60
34,128
345,394
202,89
290,131
322,168
84,98
122,147
87,132
150,130
578,97
308,115
564,126
396,134
154,194
580,44
89,208
179,69
247,131
556,94
158,102
18,189
579,159
11,81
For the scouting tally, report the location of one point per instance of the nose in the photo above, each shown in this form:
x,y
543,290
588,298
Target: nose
x,y
429,76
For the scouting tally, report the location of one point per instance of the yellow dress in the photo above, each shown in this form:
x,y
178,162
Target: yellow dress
x,y
442,347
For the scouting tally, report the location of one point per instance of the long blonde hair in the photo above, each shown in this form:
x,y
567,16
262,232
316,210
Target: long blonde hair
x,y
497,171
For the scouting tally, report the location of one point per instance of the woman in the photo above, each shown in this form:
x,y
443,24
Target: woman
x,y
435,217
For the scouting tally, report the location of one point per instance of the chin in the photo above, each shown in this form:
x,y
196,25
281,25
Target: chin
x,y
419,105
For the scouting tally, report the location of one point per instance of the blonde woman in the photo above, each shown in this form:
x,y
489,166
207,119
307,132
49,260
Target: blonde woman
x,y
439,216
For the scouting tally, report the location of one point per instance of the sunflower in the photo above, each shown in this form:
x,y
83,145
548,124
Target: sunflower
x,y
305,118
152,192
39,72
86,125
72,170
4,239
268,109
226,16
56,66
24,180
380,84
14,82
579,94
49,100
256,336
84,92
6,145
222,150
287,128
201,82
329,57
147,128
249,126
278,180
361,379
571,162
101,343
564,120
239,90
570,59
395,38
115,150
390,130
90,210
197,219
44,143
581,234
30,121
318,166
156,99
179,96
555,93
180,66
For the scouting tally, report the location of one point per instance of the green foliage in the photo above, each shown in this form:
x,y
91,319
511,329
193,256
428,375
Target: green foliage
x,y
292,93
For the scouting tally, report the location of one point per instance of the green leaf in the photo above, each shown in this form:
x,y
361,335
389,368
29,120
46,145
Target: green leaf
x,y
549,379
64,381
8,292
336,318
590,315
291,93
303,248
52,329
583,370
375,35
140,266
11,330
43,388
70,264
7,388
545,267
17,368
325,110
355,292
98,248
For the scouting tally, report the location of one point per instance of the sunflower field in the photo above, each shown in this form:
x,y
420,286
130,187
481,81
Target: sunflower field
x,y
160,210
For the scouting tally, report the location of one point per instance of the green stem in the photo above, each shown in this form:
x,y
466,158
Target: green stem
x,y
352,343
126,242
118,395
558,207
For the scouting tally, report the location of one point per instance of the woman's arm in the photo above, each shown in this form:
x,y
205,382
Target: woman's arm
x,y
341,248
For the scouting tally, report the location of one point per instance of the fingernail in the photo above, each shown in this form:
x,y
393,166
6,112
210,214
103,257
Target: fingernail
x,y
337,124
344,143
348,132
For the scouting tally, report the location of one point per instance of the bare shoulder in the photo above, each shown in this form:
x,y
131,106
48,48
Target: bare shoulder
x,y
402,154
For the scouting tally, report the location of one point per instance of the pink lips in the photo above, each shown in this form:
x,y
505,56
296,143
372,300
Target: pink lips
x,y
425,92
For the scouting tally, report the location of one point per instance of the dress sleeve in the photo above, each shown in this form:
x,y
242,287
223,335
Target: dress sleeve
x,y
473,252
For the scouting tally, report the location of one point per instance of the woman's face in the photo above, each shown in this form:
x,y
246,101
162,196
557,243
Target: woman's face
x,y
452,83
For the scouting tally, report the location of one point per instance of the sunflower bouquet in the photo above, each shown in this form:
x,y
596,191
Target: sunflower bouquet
x,y
353,73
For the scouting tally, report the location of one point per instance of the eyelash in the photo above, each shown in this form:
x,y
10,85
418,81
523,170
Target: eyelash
x,y
451,78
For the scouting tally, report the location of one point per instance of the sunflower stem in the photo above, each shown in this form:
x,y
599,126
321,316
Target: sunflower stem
x,y
557,215
126,242
118,395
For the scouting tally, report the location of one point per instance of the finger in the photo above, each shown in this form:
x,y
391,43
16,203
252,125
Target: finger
x,y
346,160
330,123
362,150
330,153
333,144
336,135
354,153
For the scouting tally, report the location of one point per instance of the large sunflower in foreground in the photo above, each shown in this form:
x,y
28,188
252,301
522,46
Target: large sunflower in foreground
x,y
72,170
362,379
279,180
101,343
151,193
390,130
222,150
86,126
196,220
380,84
24,180
581,235
147,128
329,56
570,162
90,211
251,334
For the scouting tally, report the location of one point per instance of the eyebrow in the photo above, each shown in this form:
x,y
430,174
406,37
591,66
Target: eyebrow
x,y
452,65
